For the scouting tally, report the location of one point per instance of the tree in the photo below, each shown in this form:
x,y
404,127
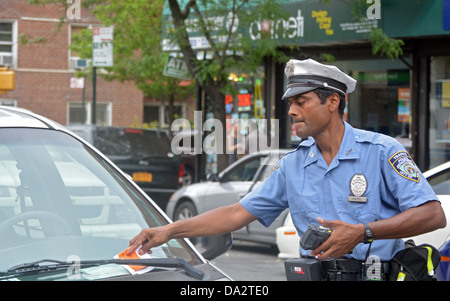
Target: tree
x,y
137,48
228,47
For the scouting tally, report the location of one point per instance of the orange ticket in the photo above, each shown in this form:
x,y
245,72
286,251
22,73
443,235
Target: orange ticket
x,y
133,269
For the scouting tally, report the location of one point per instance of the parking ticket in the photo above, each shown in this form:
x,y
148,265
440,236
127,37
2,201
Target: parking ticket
x,y
134,269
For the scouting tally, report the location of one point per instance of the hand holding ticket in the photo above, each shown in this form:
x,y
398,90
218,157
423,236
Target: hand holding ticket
x,y
134,269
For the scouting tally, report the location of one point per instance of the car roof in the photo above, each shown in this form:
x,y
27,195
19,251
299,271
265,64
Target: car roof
x,y
17,117
437,169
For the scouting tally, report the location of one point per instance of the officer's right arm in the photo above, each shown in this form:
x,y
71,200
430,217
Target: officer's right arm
x,y
217,221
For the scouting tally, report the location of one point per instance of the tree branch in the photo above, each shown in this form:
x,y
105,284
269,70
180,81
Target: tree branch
x,y
185,12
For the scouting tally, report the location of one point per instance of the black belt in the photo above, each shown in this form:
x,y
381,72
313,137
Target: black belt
x,y
344,269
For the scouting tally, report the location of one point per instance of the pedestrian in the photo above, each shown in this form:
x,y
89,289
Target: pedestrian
x,y
235,143
363,185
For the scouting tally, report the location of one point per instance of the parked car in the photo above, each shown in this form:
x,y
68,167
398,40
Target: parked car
x,y
66,211
439,179
226,188
443,269
144,154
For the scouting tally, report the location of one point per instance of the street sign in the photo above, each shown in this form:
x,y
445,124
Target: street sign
x,y
77,83
176,68
102,46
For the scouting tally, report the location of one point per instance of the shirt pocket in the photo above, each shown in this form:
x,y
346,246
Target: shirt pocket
x,y
359,212
305,209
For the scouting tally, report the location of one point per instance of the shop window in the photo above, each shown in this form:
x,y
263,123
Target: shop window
x,y
381,104
439,133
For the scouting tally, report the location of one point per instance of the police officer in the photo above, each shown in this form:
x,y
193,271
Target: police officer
x,y
363,185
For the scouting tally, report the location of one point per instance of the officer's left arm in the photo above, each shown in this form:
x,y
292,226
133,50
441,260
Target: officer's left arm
x,y
406,189
414,221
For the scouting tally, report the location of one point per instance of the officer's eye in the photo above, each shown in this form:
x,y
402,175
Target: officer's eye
x,y
300,100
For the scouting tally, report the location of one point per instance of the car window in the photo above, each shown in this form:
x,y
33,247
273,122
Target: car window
x,y
131,142
440,182
243,172
59,198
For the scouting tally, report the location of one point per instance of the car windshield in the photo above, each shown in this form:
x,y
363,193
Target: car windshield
x,y
59,199
131,142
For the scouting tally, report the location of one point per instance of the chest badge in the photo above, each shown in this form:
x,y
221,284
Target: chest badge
x,y
358,187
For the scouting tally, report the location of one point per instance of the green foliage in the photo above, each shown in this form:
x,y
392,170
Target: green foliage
x,y
383,45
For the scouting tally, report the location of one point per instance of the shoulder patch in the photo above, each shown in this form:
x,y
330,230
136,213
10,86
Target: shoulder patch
x,y
404,165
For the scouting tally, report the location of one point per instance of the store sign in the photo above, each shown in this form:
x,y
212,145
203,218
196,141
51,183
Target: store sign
x,y
309,22
102,46
312,22
446,15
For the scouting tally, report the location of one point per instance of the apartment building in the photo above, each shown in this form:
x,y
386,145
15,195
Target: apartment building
x,y
37,50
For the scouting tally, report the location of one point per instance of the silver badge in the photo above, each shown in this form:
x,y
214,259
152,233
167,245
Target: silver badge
x,y
289,69
358,187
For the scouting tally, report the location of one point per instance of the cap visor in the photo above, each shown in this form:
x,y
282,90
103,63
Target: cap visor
x,y
290,92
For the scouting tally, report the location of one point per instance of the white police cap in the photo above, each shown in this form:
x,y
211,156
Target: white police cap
x,y
307,75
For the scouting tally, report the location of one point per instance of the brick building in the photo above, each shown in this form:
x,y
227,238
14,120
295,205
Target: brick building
x,y
43,71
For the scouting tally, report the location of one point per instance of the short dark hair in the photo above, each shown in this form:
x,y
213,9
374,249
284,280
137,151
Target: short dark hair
x,y
323,94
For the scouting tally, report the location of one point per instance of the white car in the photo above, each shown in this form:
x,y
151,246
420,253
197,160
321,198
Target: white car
x,y
227,188
438,177
66,212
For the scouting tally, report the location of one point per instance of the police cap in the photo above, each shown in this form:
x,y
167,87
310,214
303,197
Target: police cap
x,y
307,75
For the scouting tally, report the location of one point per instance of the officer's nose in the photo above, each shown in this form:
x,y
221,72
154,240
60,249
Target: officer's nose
x,y
292,110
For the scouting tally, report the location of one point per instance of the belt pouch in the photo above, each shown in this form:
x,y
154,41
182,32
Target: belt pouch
x,y
341,270
303,269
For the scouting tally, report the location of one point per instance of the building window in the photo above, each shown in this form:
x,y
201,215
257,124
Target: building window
x,y
75,60
155,114
439,133
78,115
8,102
7,43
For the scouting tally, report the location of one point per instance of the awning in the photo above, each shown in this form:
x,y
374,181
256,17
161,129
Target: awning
x,y
313,22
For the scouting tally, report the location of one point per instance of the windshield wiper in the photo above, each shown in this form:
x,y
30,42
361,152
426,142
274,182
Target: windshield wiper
x,y
37,266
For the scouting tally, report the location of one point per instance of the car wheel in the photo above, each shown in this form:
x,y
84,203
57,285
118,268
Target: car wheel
x,y
185,210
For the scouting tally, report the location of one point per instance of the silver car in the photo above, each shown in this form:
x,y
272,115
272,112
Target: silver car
x,y
228,187
67,212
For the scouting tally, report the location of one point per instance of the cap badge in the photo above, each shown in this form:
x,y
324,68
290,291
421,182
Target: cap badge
x,y
289,68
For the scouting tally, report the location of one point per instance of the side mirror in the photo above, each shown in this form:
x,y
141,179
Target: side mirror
x,y
213,246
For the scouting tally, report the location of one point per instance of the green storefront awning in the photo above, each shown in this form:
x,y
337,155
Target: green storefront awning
x,y
314,22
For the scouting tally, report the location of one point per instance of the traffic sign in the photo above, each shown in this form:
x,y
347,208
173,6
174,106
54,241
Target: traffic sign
x,y
102,47
176,68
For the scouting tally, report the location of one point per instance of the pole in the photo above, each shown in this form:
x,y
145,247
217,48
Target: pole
x,y
83,102
94,94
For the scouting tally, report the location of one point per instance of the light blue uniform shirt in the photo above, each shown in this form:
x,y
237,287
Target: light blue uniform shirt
x,y
305,184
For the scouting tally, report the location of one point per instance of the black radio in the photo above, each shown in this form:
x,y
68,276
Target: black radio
x,y
314,236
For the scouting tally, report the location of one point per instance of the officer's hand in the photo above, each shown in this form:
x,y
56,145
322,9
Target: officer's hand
x,y
148,238
344,238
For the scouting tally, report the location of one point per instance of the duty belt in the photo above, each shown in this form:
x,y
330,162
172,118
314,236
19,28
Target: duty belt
x,y
353,270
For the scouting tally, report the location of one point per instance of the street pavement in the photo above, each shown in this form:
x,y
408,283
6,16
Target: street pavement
x,y
247,261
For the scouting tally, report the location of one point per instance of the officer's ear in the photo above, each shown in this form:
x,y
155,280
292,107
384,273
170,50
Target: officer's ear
x,y
333,102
